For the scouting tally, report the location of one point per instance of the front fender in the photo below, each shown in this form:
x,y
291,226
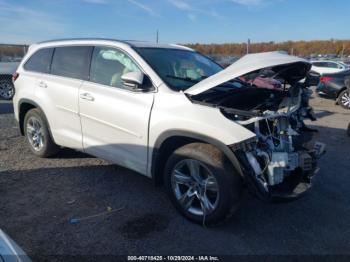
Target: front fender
x,y
183,118
195,136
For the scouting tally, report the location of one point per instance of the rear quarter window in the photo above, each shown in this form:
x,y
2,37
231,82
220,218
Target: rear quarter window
x,y
40,61
72,61
333,65
319,64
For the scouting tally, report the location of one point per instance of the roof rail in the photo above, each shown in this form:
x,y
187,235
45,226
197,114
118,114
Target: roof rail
x,y
73,39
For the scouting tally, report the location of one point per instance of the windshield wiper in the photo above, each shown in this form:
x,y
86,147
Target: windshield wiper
x,y
183,78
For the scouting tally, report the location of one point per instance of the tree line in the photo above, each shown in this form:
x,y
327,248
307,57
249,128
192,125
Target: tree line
x,y
299,48
12,50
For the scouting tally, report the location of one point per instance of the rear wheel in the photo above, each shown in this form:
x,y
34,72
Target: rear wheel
x,y
7,89
344,99
37,133
202,184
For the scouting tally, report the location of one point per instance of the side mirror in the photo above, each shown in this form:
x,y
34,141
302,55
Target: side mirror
x,y
133,80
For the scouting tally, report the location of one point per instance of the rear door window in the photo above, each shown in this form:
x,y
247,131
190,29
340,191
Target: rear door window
x,y
72,61
40,61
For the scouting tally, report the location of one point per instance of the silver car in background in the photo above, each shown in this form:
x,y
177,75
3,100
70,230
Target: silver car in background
x,y
10,251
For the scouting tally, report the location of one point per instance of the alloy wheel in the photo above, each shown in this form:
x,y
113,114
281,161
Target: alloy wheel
x,y
195,187
35,133
6,89
345,99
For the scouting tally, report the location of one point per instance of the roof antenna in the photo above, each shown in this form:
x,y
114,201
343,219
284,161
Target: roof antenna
x,y
157,39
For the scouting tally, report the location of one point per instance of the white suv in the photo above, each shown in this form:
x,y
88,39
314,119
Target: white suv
x,y
173,115
328,67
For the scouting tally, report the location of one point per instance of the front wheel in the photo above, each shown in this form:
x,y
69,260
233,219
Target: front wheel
x,y
344,99
202,184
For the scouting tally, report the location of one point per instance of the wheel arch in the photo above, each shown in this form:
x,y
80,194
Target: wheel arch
x,y
170,140
24,105
341,90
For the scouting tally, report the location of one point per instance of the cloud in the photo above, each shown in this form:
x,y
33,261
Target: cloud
x,y
192,17
99,2
248,2
194,10
24,24
180,4
144,7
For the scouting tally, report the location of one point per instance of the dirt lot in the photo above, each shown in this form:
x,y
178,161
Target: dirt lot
x,y
38,197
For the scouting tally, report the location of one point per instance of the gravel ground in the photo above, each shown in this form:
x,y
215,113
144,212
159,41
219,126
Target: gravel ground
x,y
39,196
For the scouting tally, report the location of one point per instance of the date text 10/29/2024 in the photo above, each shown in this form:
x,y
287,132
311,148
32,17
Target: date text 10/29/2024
x,y
173,258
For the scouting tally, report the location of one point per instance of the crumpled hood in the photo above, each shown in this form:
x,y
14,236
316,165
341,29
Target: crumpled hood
x,y
291,68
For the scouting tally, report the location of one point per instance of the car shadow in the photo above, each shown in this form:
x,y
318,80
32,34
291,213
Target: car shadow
x,y
322,113
67,153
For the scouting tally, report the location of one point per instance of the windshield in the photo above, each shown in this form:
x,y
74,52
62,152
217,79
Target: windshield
x,y
179,69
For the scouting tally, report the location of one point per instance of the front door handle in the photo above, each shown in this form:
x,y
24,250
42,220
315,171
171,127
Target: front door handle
x,y
87,96
42,84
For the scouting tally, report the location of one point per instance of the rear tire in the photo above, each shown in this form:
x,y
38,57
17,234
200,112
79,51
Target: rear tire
x,y
37,134
344,99
217,194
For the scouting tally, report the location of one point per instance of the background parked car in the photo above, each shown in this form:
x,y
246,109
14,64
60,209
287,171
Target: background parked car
x,y
333,86
10,251
7,89
325,67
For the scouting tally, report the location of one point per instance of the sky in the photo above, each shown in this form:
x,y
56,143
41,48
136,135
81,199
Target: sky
x,y
178,21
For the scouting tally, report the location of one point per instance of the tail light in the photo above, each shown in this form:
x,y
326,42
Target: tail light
x,y
15,76
326,78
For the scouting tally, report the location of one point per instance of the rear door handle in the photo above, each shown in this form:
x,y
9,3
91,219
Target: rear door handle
x,y
42,84
87,96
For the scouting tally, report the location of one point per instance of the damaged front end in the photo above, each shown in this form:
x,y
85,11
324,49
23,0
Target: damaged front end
x,y
281,160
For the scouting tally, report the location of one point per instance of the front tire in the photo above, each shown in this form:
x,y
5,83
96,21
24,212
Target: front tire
x,y
37,134
344,99
202,184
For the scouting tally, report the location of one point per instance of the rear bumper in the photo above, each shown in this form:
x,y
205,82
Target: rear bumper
x,y
327,90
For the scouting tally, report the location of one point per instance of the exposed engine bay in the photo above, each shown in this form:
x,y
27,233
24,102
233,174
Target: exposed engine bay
x,y
283,155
